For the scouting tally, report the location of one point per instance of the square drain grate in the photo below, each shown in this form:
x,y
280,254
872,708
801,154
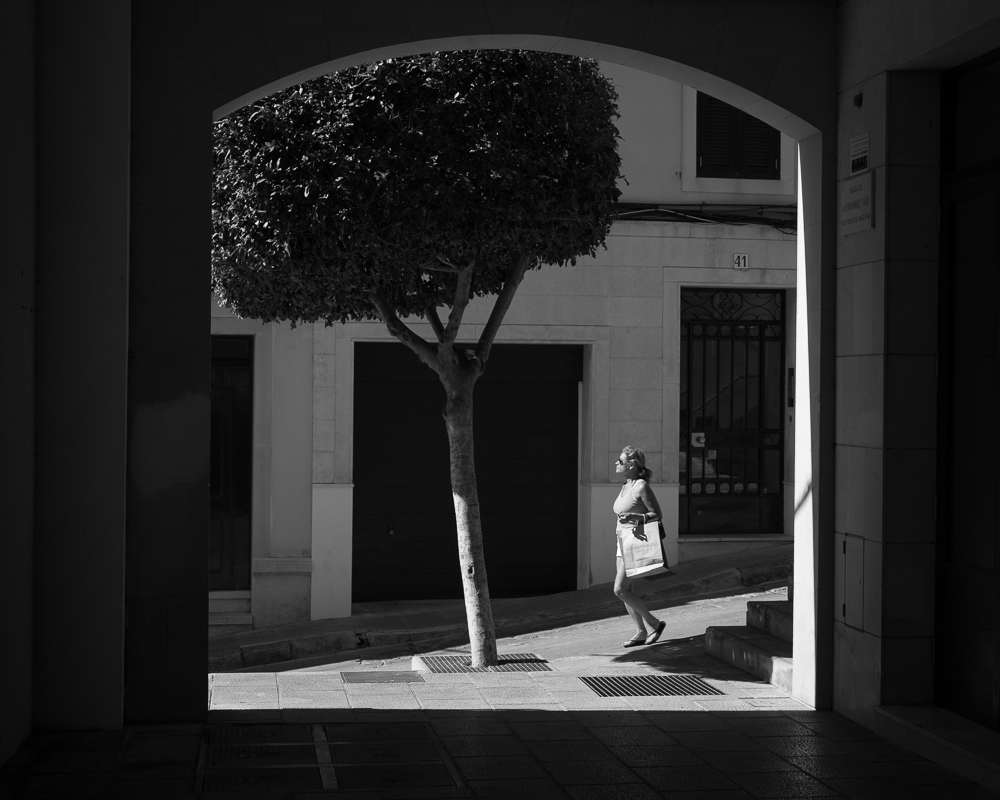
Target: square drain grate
x,y
509,662
650,686
382,677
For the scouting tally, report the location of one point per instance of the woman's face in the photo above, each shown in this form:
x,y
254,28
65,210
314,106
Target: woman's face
x,y
625,466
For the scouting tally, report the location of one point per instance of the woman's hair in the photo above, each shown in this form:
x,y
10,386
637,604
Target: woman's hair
x,y
635,454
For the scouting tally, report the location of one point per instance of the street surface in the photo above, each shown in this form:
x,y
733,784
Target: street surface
x,y
577,647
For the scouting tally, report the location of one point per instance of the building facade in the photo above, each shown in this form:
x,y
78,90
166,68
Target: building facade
x,y
310,546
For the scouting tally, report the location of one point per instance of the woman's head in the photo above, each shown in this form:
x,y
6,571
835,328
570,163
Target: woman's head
x,y
633,456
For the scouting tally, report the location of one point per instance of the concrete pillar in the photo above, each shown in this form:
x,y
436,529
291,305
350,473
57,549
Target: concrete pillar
x,y
17,354
83,73
907,557
169,379
886,406
814,486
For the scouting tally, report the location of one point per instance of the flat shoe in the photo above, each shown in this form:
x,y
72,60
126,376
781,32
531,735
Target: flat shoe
x,y
635,641
652,638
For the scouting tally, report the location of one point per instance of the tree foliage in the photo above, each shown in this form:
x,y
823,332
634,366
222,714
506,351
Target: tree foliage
x,y
381,180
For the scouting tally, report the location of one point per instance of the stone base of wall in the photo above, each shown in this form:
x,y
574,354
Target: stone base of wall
x,y
692,547
280,591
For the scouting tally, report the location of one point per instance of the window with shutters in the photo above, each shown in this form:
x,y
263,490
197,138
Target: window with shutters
x,y
732,144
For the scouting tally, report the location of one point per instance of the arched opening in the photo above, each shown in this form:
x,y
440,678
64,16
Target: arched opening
x,y
803,514
698,79
125,247
110,524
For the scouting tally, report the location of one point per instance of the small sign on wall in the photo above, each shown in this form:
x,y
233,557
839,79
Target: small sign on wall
x,y
859,154
857,209
741,261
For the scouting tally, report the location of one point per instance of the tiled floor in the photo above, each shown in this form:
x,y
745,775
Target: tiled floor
x,y
510,736
516,735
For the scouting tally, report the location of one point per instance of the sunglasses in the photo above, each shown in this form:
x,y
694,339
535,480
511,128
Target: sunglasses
x,y
623,463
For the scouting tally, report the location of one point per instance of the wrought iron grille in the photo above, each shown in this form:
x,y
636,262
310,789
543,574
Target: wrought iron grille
x,y
731,408
732,305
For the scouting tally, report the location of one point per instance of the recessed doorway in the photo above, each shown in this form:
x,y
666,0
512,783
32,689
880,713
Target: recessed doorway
x,y
231,463
732,442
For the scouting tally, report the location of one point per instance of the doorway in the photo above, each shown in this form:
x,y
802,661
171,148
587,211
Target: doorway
x,y
732,440
967,627
230,472
526,439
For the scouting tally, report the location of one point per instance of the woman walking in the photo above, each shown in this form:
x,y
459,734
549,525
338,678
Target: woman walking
x,y
636,503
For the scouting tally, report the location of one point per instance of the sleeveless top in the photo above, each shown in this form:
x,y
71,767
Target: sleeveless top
x,y
627,502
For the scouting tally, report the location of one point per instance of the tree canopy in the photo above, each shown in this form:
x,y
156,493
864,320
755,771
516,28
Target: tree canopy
x,y
374,183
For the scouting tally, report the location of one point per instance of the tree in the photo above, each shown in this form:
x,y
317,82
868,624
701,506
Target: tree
x,y
391,189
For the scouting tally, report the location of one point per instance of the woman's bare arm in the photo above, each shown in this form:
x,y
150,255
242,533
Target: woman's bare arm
x,y
649,500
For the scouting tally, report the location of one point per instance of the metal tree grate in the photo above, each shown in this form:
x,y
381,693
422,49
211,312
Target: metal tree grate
x,y
650,686
382,677
509,662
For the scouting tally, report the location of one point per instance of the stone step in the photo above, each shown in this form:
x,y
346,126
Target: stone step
x,y
753,651
236,602
227,606
940,735
223,622
771,616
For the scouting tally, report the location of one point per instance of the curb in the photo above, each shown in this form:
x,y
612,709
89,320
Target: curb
x,y
306,651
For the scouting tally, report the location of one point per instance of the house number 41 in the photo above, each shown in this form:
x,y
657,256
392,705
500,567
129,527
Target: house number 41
x,y
741,261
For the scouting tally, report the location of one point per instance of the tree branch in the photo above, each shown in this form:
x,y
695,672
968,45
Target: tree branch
x,y
447,263
431,315
441,268
425,351
461,300
504,299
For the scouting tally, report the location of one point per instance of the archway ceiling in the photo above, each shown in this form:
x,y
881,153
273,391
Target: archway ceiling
x,y
776,59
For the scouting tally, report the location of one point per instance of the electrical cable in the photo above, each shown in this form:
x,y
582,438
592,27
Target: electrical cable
x,y
781,218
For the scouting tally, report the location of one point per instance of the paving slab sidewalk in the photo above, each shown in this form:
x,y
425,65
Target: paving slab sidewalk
x,y
377,630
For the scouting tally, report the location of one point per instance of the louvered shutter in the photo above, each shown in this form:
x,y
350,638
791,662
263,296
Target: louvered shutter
x,y
717,142
732,144
759,149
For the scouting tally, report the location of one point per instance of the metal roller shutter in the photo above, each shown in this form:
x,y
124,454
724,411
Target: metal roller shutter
x,y
526,465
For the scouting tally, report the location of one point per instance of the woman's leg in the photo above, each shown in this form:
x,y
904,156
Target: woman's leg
x,y
633,603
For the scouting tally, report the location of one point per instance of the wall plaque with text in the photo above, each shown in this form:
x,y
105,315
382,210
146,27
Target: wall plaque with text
x,y
857,207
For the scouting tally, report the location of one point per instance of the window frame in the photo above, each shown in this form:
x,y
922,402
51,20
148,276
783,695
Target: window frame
x,y
752,189
736,126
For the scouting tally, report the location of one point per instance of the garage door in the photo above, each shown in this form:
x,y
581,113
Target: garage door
x,y
405,545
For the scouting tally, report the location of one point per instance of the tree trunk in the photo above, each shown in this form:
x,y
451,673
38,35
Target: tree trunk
x,y
458,420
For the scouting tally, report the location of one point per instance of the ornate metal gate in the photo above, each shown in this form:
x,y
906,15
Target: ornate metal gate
x,y
731,420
